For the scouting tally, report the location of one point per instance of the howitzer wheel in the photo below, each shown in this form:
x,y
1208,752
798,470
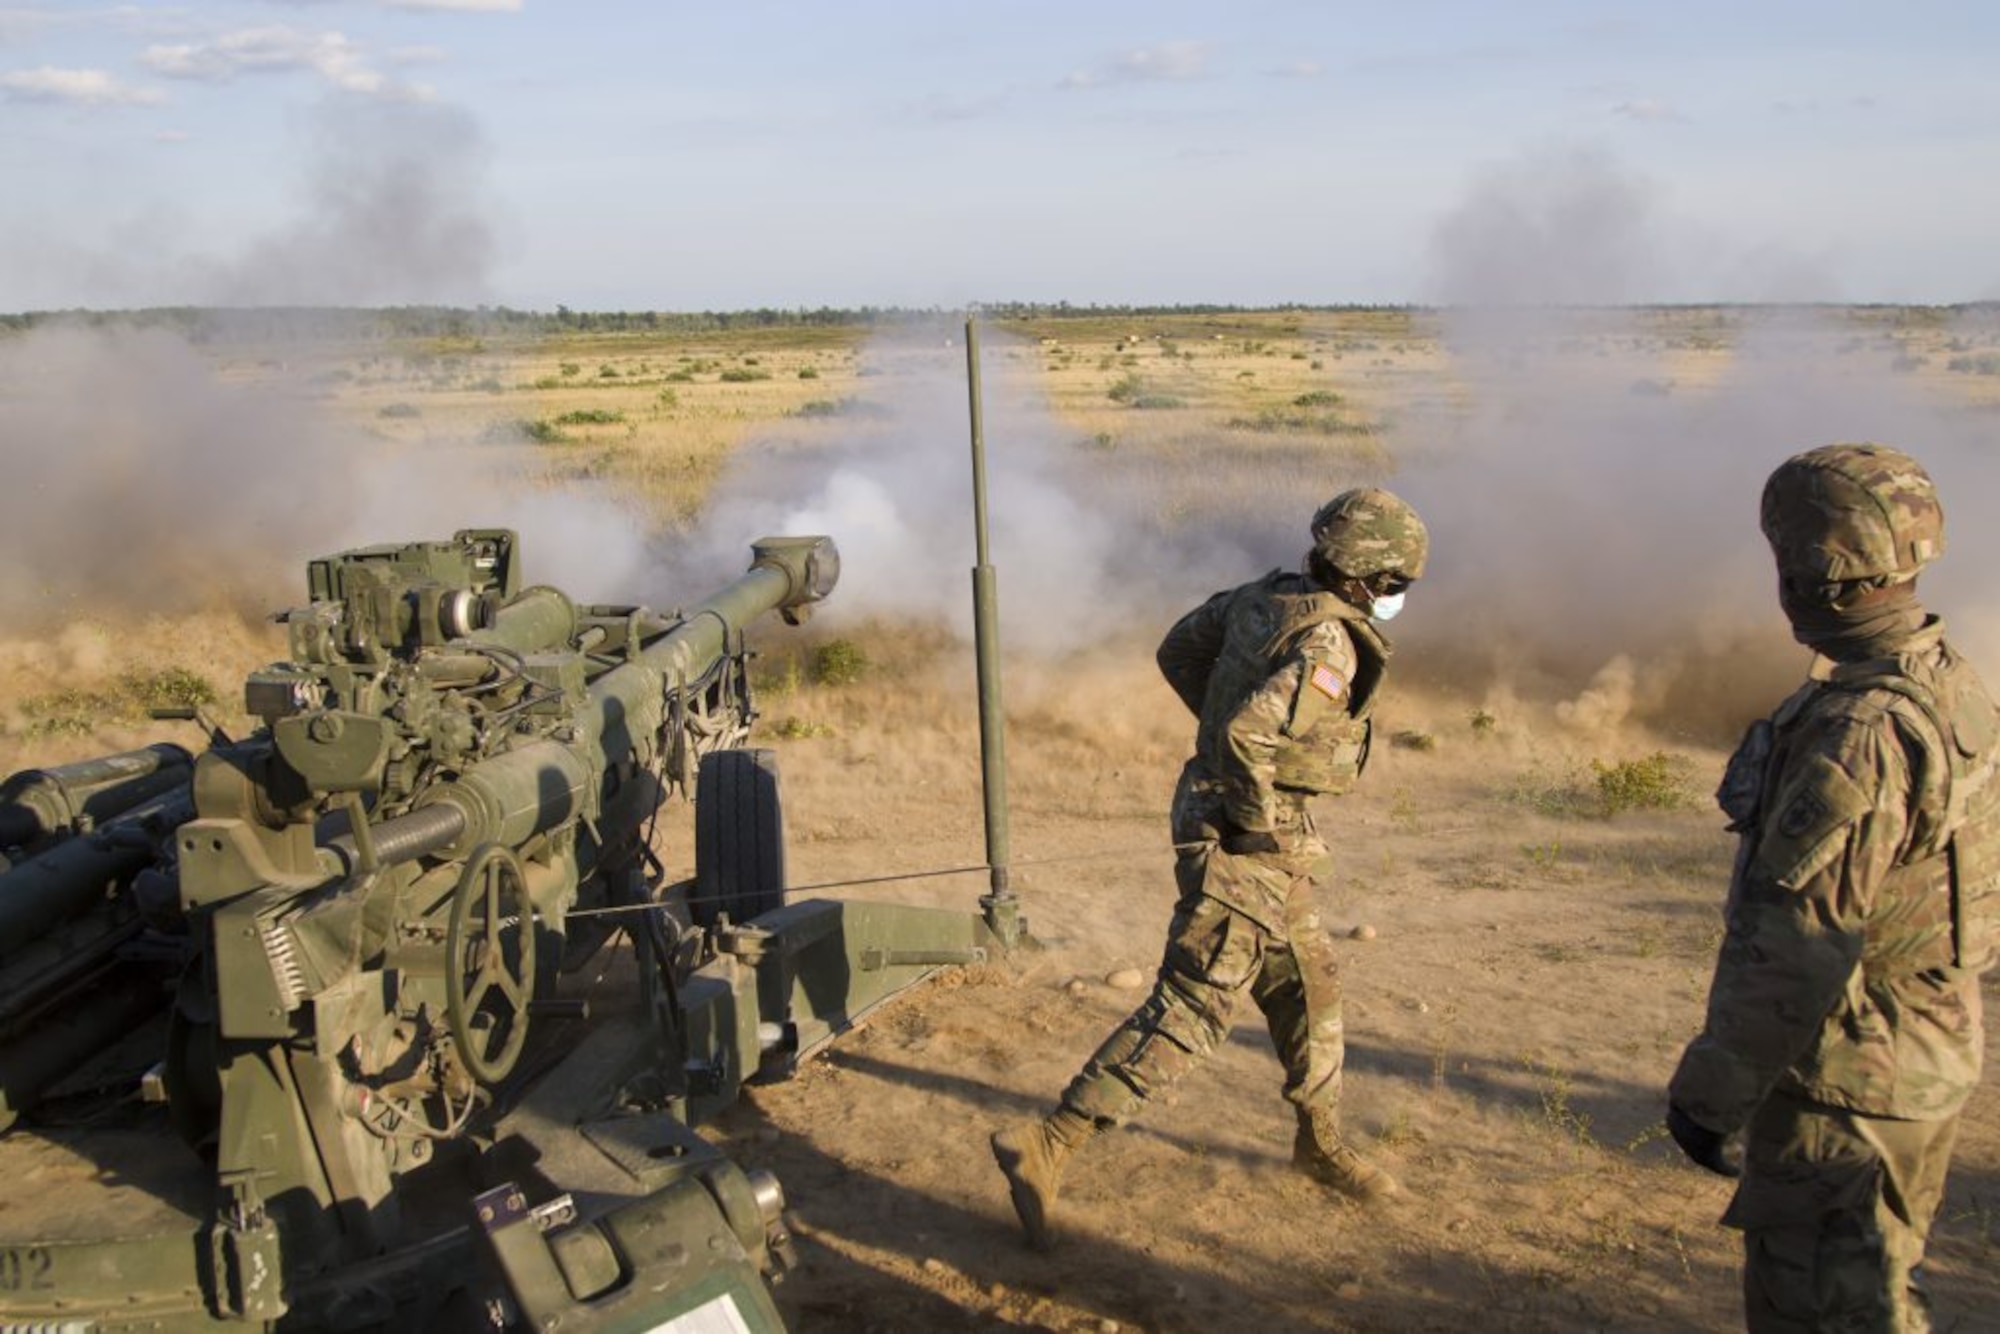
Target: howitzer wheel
x,y
490,974
739,837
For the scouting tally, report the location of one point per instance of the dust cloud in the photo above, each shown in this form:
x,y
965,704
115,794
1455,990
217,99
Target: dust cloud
x,y
1593,498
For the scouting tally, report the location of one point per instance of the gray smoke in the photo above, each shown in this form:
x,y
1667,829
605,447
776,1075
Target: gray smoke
x,y
1594,500
389,205
392,210
142,481
1078,558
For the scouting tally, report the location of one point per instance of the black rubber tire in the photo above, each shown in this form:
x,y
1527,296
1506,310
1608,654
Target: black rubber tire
x,y
739,837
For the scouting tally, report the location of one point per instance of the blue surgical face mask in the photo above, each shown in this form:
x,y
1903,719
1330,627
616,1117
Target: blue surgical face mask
x,y
1385,607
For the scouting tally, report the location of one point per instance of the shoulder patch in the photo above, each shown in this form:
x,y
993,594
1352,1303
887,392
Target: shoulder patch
x,y
1807,810
1327,681
1815,806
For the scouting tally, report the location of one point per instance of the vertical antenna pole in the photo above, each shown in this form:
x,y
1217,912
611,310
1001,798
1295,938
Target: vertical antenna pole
x,y
1003,908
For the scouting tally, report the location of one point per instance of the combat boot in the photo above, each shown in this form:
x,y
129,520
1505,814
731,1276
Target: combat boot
x,y
1320,1153
1033,1155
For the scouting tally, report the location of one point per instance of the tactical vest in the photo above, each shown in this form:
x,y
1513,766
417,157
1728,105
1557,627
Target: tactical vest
x,y
1323,744
1939,908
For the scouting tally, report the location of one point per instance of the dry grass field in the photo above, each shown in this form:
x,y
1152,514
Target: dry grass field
x,y
1533,844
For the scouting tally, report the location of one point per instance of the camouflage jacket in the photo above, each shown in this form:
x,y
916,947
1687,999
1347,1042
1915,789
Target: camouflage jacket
x,y
1863,908
1282,675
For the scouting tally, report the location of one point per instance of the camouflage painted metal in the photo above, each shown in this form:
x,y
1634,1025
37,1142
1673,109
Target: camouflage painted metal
x,y
343,959
1368,531
1852,511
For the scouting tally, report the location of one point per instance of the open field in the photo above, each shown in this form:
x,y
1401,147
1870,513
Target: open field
x,y
1533,843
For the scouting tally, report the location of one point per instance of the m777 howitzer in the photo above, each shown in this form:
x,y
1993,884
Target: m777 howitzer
x,y
297,1033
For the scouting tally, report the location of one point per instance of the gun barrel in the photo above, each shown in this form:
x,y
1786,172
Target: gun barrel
x,y
36,804
73,876
787,575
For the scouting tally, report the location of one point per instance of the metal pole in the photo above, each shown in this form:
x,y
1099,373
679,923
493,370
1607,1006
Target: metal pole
x,y
1003,908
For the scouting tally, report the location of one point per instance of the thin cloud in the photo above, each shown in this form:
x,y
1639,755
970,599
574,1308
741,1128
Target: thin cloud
x,y
171,136
1814,107
333,56
1299,69
17,25
1167,62
951,109
459,6
417,55
73,87
1646,109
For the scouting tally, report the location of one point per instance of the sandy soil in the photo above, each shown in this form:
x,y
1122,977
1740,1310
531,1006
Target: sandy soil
x,y
1510,1028
1536,966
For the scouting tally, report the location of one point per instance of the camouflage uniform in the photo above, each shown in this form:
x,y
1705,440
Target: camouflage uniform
x,y
1283,676
1844,1027
1282,673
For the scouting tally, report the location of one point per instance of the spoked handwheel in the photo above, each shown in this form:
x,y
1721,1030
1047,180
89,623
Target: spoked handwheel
x,y
490,971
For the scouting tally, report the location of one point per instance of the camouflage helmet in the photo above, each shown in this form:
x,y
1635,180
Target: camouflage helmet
x,y
1858,511
1368,531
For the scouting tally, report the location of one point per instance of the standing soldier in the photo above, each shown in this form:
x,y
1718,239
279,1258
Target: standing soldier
x,y
1283,674
1844,1029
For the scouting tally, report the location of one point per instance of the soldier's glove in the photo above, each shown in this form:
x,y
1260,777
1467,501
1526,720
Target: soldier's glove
x,y
1250,842
1703,1146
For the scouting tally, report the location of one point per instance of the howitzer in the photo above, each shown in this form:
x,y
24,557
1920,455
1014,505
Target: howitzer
x,y
348,953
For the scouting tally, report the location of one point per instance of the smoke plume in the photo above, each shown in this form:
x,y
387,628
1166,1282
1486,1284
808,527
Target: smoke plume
x,y
1594,502
392,211
891,481
142,481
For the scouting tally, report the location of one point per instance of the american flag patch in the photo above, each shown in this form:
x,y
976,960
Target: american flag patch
x,y
1328,682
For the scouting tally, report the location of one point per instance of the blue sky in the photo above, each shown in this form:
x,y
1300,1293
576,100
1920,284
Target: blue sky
x,y
736,153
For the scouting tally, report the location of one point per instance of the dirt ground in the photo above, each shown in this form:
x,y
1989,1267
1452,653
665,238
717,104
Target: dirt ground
x,y
1536,964
1511,1025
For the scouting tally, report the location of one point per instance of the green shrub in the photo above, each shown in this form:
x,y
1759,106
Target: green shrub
x,y
679,377
607,372
1656,782
1125,389
738,375
542,431
838,662
1318,398
73,712
808,373
667,398
68,712
1158,401
399,410
570,368
1298,423
591,417
169,688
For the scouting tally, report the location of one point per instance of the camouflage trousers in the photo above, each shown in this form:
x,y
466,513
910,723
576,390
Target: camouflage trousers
x,y
1243,925
1835,1208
